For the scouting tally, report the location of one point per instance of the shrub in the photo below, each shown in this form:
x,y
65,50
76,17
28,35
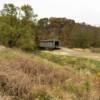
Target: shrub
x,y
26,40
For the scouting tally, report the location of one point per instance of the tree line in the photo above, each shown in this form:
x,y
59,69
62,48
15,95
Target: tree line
x,y
20,28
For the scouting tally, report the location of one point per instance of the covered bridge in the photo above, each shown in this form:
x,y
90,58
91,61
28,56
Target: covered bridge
x,y
49,44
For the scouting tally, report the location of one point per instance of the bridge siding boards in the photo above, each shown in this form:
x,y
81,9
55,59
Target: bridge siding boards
x,y
49,44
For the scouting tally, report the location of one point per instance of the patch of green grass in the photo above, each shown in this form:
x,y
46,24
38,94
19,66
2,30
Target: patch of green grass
x,y
75,62
97,63
8,54
12,54
43,95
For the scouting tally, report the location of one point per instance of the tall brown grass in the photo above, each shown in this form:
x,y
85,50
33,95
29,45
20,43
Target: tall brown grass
x,y
30,77
19,77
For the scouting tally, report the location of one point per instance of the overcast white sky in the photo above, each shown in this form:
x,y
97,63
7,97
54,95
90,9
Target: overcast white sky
x,y
80,10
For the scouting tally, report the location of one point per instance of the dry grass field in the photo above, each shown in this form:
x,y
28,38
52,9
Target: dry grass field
x,y
47,76
84,53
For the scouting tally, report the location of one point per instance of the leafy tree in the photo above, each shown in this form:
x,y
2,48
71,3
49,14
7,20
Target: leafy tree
x,y
26,39
17,31
9,14
5,34
81,36
28,13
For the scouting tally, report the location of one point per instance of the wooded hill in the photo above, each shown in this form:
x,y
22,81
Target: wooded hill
x,y
20,28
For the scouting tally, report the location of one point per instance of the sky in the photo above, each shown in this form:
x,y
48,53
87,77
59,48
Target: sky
x,y
87,11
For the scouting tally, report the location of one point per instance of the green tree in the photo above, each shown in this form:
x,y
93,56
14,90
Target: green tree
x,y
81,36
28,13
5,32
26,39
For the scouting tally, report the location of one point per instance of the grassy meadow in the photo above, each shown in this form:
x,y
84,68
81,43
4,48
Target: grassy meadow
x,y
47,76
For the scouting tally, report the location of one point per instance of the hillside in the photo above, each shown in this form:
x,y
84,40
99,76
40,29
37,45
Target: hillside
x,y
47,76
21,28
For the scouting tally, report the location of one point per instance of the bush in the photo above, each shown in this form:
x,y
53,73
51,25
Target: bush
x,y
26,40
5,33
